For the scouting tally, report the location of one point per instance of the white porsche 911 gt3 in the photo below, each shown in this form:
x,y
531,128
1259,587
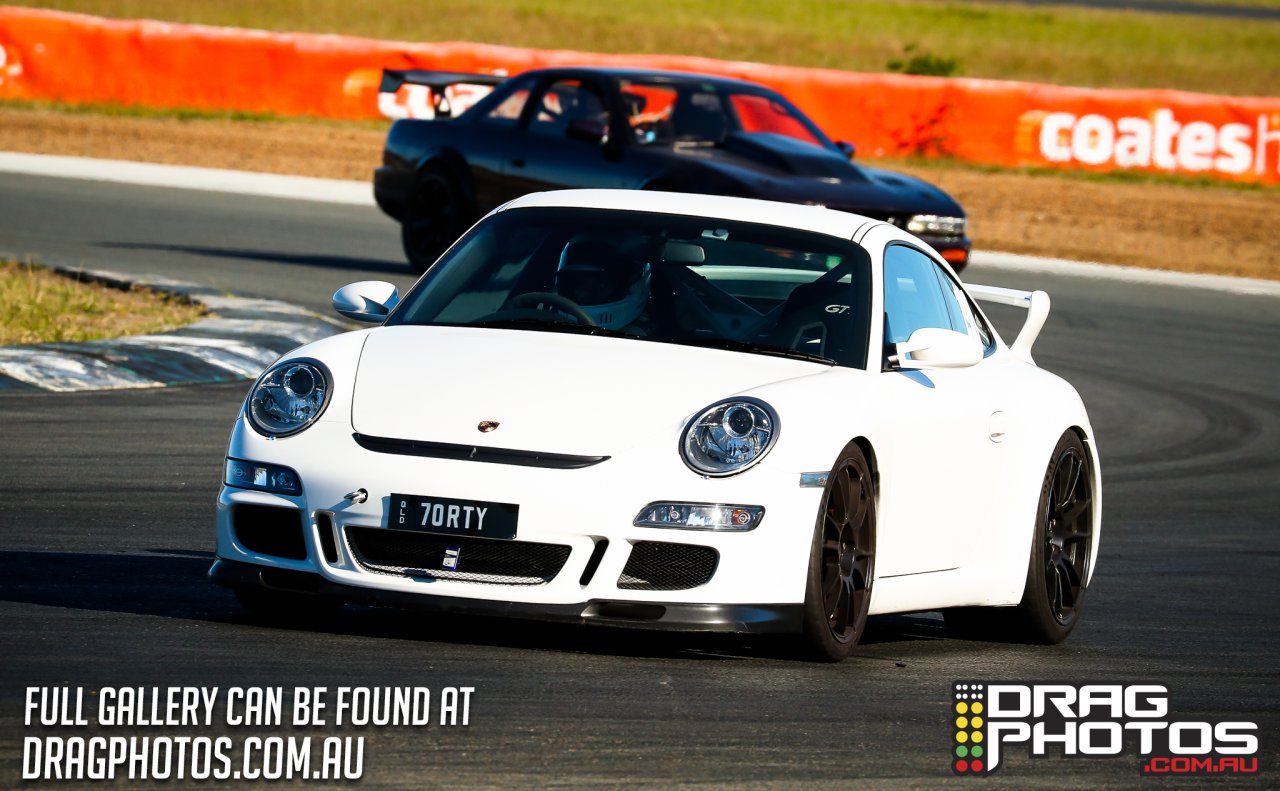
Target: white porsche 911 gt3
x,y
674,412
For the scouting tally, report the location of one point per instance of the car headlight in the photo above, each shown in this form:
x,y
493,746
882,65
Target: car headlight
x,y
700,516
287,398
729,437
934,224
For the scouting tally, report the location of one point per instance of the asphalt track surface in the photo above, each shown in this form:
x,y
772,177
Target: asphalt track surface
x,y
106,510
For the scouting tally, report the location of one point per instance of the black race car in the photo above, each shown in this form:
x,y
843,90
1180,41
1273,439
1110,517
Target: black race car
x,y
626,128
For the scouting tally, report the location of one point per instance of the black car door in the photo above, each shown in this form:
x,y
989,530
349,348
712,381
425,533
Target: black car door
x,y
488,141
570,138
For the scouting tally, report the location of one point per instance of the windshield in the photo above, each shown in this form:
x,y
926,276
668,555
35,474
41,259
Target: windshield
x,y
654,277
703,113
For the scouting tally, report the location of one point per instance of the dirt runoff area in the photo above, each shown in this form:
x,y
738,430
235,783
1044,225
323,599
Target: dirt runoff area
x,y
1191,228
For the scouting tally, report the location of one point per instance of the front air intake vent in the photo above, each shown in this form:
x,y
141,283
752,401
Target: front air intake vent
x,y
269,530
660,566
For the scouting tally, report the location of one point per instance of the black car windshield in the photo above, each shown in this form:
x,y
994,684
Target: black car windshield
x,y
664,111
656,278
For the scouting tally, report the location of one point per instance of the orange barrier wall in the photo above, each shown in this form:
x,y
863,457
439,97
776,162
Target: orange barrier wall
x,y
75,58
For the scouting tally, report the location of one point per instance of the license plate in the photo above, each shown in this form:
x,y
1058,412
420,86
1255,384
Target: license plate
x,y
446,516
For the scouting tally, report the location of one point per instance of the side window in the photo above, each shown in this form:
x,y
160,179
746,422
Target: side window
x,y
507,112
649,108
913,296
970,319
566,101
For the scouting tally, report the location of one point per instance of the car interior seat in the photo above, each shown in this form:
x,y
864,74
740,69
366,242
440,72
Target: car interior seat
x,y
699,118
827,319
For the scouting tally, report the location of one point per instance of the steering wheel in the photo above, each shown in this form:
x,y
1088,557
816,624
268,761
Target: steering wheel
x,y
526,306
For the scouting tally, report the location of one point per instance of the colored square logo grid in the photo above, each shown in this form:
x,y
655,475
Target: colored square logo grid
x,y
968,706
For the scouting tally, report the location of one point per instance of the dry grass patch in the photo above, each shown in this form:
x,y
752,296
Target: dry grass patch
x,y
41,306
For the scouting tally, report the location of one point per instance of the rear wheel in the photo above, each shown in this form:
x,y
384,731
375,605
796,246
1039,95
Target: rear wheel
x,y
841,560
1059,564
436,216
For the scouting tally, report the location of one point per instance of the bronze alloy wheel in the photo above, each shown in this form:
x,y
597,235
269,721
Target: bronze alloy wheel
x,y
842,559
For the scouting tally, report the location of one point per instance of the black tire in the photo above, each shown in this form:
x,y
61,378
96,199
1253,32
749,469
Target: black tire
x,y
1059,562
841,560
435,217
276,607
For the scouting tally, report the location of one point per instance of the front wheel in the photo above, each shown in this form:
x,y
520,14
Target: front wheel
x,y
841,560
1058,569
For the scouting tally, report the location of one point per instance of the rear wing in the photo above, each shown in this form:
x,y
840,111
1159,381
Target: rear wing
x,y
420,93
1036,303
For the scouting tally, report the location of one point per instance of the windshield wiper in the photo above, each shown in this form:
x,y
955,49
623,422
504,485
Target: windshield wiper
x,y
543,325
729,344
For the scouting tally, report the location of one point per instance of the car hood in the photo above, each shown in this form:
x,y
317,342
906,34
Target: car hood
x,y
778,167
548,391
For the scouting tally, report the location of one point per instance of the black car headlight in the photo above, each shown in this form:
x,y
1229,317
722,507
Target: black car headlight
x,y
935,225
287,398
729,437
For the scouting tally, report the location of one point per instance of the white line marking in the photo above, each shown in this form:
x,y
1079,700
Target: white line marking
x,y
240,358
66,373
229,328
1131,274
359,193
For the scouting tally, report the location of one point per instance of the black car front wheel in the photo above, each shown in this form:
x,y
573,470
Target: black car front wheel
x,y
435,217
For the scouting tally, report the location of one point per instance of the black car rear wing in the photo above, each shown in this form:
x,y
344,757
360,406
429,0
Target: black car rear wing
x,y
437,81
447,93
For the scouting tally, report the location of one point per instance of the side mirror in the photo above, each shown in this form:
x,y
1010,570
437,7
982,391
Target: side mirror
x,y
847,148
929,347
369,300
586,129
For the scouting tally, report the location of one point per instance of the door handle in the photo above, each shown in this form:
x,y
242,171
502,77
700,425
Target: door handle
x,y
999,426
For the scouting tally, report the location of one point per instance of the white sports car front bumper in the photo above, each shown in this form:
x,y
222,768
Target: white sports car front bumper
x,y
576,555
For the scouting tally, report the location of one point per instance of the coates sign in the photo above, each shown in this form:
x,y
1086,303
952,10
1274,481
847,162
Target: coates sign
x,y
1246,147
1093,721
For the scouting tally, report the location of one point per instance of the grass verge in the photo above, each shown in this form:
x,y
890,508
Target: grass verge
x,y
1067,45
38,305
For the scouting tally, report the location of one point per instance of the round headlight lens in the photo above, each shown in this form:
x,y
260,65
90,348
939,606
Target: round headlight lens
x,y
729,437
287,398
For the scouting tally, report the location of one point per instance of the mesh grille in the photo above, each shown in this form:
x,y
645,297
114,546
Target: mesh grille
x,y
407,554
658,566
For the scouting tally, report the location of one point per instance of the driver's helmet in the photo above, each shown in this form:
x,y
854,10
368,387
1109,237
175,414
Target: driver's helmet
x,y
610,287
